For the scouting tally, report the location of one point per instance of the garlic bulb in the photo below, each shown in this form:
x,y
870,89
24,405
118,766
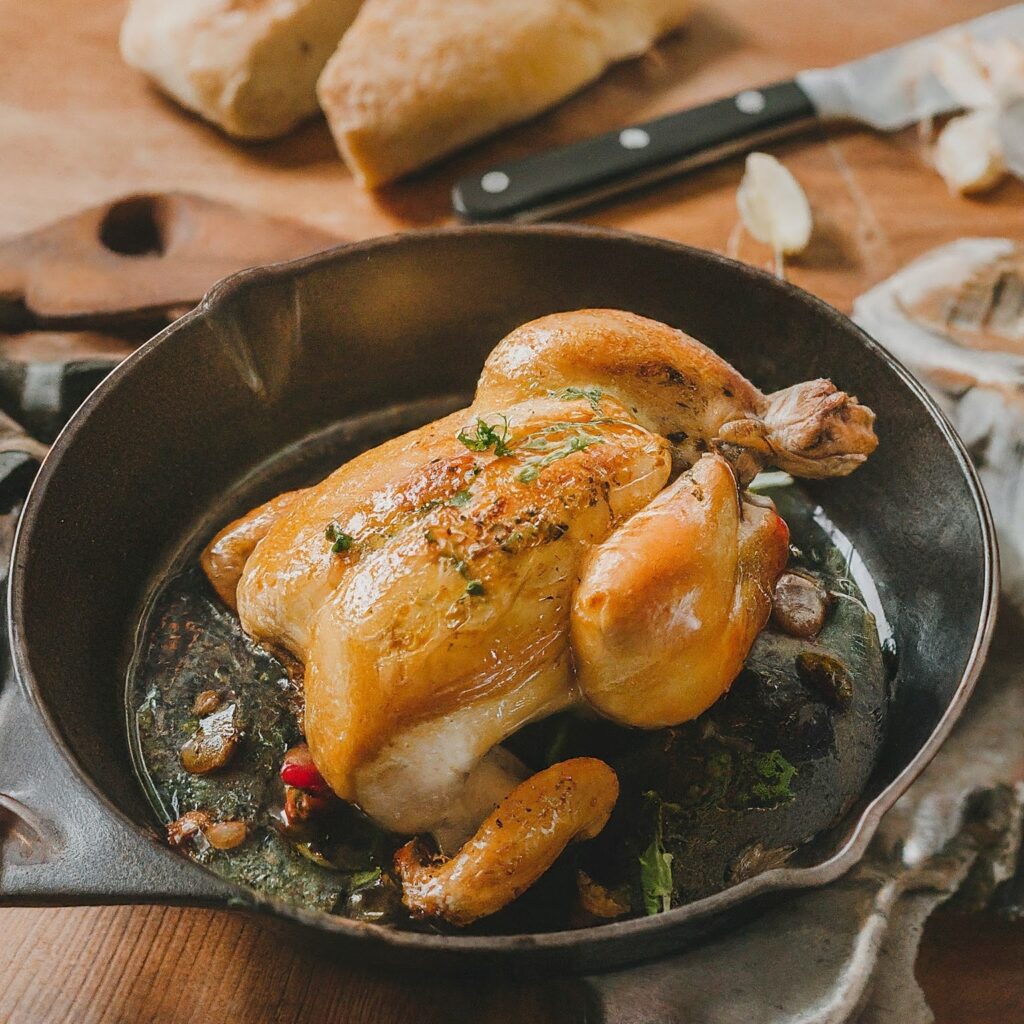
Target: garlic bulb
x,y
979,74
968,152
973,152
773,206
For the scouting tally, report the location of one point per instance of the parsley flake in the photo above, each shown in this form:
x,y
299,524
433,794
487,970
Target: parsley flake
x,y
773,778
577,443
340,541
592,395
487,436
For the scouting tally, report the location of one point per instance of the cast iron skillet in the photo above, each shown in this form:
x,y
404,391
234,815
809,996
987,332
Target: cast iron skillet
x,y
273,355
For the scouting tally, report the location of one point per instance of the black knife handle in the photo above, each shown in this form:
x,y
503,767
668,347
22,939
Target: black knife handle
x,y
560,179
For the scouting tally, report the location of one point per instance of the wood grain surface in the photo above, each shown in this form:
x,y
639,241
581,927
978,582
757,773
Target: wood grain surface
x,y
78,128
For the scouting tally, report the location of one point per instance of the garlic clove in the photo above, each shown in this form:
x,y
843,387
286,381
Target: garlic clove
x,y
773,206
968,152
959,66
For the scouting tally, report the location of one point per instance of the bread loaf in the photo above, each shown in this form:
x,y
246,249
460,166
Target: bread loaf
x,y
415,79
249,66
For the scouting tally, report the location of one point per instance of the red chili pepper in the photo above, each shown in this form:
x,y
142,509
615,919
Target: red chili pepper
x,y
299,771
303,776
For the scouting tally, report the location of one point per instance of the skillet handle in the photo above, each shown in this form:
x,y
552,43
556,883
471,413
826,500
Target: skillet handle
x,y
59,844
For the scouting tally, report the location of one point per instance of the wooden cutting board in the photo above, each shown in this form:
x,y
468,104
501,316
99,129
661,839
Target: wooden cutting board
x,y
77,128
138,257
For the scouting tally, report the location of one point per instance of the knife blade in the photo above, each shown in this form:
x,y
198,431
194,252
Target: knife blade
x,y
887,91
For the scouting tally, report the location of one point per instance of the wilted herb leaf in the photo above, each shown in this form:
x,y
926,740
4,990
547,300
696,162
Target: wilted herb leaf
x,y
577,443
592,395
339,540
487,436
773,777
362,878
656,865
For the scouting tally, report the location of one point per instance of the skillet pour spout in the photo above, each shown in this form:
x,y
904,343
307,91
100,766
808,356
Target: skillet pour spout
x,y
266,364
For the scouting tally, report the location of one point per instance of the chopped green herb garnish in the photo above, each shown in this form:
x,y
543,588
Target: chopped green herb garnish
x,y
537,444
487,436
474,587
773,777
656,865
592,395
577,443
460,498
428,536
340,541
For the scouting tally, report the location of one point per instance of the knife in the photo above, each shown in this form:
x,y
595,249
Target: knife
x,y
888,91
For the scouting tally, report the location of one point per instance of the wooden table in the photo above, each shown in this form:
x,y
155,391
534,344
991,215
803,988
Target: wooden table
x,y
78,128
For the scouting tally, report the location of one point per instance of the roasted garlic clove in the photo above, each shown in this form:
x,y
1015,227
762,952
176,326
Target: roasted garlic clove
x,y
214,743
226,835
800,605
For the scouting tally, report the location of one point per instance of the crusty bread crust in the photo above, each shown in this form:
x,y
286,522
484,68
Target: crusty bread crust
x,y
414,79
249,66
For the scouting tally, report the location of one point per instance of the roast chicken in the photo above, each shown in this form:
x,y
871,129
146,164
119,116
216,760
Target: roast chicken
x,y
579,537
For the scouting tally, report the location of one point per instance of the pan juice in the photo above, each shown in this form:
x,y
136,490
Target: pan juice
x,y
762,779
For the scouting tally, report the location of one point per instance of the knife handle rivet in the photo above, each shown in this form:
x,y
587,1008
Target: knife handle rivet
x,y
494,182
750,102
634,138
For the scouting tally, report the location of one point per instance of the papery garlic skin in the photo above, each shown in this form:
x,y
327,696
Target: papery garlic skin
x,y
979,74
958,65
1010,127
773,206
969,154
1003,59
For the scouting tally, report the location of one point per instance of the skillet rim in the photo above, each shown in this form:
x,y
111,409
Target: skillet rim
x,y
596,938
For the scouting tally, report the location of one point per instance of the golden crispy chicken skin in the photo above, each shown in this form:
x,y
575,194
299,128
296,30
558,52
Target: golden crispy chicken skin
x,y
682,390
528,554
517,843
668,606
